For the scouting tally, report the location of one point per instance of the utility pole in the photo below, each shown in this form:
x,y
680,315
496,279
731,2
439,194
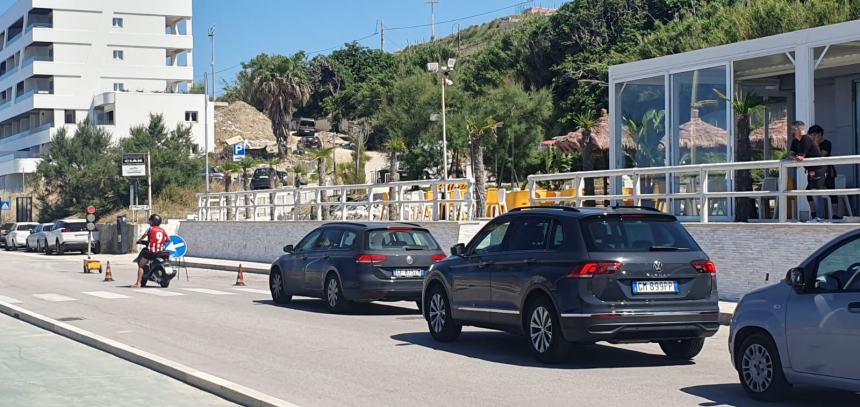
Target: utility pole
x,y
432,4
206,130
458,38
149,182
444,130
382,35
212,58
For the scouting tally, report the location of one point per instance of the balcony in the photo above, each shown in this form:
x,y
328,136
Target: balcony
x,y
32,92
11,71
14,38
18,155
24,133
30,60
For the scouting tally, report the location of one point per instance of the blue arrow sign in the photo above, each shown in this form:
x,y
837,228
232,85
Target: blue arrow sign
x,y
5,206
177,246
238,151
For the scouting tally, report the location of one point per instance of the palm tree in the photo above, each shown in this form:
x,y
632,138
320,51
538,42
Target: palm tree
x,y
586,122
395,145
743,106
283,83
245,165
477,130
321,156
229,168
274,180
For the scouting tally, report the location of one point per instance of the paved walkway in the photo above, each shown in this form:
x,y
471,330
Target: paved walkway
x,y
39,368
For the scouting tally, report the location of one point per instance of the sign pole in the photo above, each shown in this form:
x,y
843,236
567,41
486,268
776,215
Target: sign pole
x,y
149,182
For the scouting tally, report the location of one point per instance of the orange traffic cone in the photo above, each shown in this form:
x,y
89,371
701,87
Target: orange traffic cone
x,y
240,279
108,273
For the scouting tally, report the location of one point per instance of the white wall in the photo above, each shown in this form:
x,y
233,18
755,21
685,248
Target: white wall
x,y
133,109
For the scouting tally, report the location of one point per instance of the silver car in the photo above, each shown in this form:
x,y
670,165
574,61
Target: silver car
x,y
804,330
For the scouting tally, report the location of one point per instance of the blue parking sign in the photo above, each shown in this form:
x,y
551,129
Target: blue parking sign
x,y
238,151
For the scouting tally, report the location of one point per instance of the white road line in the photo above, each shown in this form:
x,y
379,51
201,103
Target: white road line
x,y
9,300
54,297
252,290
105,294
158,292
207,291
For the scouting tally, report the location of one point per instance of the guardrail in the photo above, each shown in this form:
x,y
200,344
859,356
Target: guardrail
x,y
428,200
701,175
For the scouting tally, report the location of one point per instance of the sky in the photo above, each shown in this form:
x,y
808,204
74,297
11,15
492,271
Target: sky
x,y
250,27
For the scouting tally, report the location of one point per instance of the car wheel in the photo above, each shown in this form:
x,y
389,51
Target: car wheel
x,y
443,327
27,247
544,332
334,295
47,248
97,248
59,249
760,369
278,289
684,349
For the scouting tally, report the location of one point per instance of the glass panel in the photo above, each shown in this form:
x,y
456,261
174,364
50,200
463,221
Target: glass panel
x,y
641,107
699,117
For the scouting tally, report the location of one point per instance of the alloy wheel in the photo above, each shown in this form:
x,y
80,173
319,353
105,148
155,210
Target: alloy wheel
x,y
540,329
437,312
276,286
331,293
757,368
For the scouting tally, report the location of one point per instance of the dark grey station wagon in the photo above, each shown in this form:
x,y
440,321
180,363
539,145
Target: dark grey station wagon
x,y
561,275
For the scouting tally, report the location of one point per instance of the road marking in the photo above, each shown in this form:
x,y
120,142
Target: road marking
x,y
252,290
105,294
9,300
54,297
207,291
159,292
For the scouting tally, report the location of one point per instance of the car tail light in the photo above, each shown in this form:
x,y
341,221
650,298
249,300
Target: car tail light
x,y
704,266
591,269
437,257
370,258
66,230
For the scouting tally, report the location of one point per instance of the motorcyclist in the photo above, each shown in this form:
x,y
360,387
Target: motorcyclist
x,y
154,240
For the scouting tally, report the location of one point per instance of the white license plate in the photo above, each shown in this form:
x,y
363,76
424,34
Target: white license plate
x,y
655,287
84,235
408,273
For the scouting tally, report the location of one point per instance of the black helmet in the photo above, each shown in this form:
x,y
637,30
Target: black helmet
x,y
154,220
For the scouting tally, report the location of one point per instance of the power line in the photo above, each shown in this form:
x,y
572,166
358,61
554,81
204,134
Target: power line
x,y
461,18
336,46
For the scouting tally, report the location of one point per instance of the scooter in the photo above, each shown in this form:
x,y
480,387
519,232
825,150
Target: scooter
x,y
158,270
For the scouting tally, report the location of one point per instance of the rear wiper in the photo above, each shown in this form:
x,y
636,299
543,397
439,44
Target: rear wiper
x,y
667,249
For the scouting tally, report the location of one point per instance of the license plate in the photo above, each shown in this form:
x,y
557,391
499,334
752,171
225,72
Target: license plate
x,y
408,273
80,235
655,287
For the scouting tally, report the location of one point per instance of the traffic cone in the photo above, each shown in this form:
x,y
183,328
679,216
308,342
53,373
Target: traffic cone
x,y
108,273
240,279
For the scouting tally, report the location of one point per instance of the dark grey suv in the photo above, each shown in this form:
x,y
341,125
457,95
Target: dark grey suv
x,y
563,275
354,262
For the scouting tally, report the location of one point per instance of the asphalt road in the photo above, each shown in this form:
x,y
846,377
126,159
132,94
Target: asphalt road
x,y
380,355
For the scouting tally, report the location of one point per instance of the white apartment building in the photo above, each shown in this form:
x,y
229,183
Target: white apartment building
x,y
112,61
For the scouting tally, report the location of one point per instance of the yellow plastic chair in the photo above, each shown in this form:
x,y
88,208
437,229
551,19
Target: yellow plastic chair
x,y
660,203
548,194
567,193
517,199
627,192
492,208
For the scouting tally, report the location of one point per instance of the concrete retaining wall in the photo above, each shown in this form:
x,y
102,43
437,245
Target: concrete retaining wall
x,y
748,255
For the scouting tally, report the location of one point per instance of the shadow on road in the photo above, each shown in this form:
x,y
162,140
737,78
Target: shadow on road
x,y
733,394
510,349
319,306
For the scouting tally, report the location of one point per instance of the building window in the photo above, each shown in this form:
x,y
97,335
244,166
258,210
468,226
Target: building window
x,y
119,87
70,117
117,22
118,55
191,116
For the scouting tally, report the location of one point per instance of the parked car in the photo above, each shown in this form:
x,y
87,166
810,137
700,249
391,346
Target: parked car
x,y
36,240
267,178
4,230
17,235
563,276
215,173
805,329
353,262
70,235
307,127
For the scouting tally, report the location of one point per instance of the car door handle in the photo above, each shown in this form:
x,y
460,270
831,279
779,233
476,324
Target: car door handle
x,y
485,264
854,307
530,261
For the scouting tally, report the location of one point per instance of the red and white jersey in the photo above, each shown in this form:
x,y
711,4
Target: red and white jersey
x,y
157,239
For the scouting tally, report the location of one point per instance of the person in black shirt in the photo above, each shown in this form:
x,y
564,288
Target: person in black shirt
x,y
803,147
825,147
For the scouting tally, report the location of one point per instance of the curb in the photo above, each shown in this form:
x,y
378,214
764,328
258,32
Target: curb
x,y
223,267
220,387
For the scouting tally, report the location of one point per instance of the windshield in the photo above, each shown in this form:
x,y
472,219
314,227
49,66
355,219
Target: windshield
x,y
26,227
262,171
616,234
401,239
77,227
307,123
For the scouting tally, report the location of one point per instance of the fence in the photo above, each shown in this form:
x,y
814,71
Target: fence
x,y
709,184
428,200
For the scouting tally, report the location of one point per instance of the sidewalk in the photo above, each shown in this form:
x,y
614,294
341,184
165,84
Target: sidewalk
x,y
43,369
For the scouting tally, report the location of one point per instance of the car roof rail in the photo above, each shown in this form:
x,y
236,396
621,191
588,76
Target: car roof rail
x,y
647,208
561,208
362,225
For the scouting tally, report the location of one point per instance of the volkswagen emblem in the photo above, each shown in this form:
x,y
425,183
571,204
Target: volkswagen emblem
x,y
409,260
658,266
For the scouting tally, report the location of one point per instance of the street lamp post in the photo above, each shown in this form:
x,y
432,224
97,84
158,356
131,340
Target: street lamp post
x,y
435,67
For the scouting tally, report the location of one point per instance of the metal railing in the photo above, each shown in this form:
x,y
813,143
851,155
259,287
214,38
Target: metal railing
x,y
701,176
426,200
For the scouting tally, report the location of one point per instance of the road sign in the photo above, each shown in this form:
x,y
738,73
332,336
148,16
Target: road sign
x,y
91,218
134,165
5,206
91,210
91,226
177,246
238,151
139,207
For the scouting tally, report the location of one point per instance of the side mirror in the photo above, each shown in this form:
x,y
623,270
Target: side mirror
x,y
458,249
288,248
795,278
